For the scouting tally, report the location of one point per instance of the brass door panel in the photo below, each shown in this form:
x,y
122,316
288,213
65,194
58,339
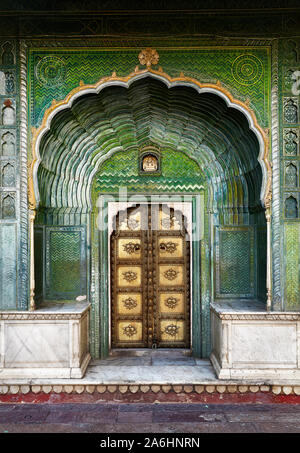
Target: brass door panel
x,y
171,303
150,281
129,276
129,304
170,275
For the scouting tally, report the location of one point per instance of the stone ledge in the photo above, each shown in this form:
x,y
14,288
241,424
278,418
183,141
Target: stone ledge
x,y
231,312
51,311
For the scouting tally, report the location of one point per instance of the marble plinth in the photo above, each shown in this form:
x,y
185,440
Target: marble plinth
x,y
254,344
51,342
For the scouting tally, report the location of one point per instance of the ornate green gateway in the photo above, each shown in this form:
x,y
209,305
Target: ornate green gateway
x,y
92,147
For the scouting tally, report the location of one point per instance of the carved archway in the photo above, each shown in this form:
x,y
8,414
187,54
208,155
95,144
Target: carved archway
x,y
138,74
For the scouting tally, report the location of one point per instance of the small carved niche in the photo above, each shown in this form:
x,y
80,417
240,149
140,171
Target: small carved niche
x,y
288,79
7,54
291,175
290,111
2,83
8,144
8,175
150,161
291,142
8,207
8,113
291,51
9,83
291,208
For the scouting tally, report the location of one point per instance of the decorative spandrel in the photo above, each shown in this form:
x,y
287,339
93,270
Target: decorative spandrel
x,y
150,280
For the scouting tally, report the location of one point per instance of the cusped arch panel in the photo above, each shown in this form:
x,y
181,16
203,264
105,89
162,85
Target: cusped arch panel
x,y
118,114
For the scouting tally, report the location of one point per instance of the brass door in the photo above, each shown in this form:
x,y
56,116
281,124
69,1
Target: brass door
x,y
150,278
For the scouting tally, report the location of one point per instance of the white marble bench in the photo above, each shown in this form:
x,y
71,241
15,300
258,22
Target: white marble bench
x,y
250,343
50,342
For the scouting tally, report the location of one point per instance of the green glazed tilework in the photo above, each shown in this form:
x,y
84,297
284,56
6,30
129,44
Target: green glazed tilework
x,y
178,173
244,71
292,266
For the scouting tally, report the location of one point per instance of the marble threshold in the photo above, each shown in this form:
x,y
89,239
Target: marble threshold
x,y
166,367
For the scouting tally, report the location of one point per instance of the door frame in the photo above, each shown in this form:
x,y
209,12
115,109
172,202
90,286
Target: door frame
x,y
101,262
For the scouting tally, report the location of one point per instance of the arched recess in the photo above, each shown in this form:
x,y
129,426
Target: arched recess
x,y
122,115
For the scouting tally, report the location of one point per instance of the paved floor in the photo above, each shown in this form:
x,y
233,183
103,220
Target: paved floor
x,y
149,418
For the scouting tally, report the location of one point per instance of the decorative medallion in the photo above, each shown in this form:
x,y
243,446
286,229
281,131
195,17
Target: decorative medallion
x,y
51,71
171,302
131,247
171,330
169,247
171,274
129,303
129,330
130,276
247,69
148,57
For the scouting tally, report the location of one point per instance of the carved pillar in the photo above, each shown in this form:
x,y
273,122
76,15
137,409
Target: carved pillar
x,y
24,274
269,259
276,205
32,214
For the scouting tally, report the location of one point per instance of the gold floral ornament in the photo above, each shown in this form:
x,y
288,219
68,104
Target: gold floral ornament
x,y
129,330
130,276
131,247
171,330
148,57
171,274
171,302
169,247
130,303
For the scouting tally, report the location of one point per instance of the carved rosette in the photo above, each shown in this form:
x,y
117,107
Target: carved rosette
x,y
129,330
130,276
131,247
169,247
171,274
129,303
171,330
171,302
148,57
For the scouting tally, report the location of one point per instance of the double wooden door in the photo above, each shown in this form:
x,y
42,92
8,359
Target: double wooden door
x,y
150,278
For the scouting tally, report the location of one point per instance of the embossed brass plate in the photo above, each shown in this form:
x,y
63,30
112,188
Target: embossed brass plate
x,y
150,278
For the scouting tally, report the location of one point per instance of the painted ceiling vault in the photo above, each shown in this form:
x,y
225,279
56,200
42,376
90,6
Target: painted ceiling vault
x,y
120,119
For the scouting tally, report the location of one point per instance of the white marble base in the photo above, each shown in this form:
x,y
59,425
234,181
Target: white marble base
x,y
254,344
51,342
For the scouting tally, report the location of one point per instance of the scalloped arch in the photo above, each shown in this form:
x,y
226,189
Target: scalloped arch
x,y
212,156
